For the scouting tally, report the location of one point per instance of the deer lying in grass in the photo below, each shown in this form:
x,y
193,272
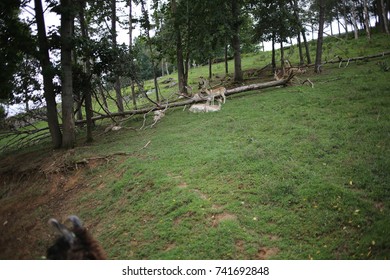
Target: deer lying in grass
x,y
75,243
205,107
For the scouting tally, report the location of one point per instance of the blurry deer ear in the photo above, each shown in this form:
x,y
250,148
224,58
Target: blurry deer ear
x,y
61,229
76,222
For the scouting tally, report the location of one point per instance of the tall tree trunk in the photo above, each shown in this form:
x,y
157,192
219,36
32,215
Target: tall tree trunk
x,y
307,50
186,67
104,98
152,57
281,55
331,28
273,54
68,124
345,18
48,75
210,68
133,97
384,16
226,60
88,91
354,21
379,15
166,67
294,4
117,83
78,95
179,51
338,22
301,60
320,36
236,43
367,19
312,30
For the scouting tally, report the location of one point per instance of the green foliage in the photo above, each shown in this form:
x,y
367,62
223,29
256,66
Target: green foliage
x,y
274,20
15,41
205,28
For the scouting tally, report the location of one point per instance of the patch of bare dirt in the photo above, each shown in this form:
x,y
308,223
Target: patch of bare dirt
x,y
240,245
34,187
265,253
218,218
169,247
200,194
273,237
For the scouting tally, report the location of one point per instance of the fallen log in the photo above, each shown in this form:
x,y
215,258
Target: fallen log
x,y
258,86
347,60
195,99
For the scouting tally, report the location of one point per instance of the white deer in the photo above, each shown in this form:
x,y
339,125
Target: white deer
x,y
205,107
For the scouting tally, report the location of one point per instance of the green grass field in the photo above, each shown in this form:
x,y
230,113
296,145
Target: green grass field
x,y
284,173
292,173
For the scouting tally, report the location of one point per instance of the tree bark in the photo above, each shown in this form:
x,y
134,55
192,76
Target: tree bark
x,y
133,97
354,21
236,43
149,43
320,37
338,22
367,19
273,61
117,83
345,18
384,17
68,137
179,51
48,75
301,60
281,55
87,93
152,57
226,60
210,69
294,4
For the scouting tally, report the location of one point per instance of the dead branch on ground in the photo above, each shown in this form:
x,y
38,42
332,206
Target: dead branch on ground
x,y
309,82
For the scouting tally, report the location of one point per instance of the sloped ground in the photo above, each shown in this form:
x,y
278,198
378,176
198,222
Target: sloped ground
x,y
287,173
36,186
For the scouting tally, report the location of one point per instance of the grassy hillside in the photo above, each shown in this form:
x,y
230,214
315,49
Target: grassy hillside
x,y
284,173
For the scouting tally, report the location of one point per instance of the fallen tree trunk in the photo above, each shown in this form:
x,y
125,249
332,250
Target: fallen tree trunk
x,y
258,86
192,100
340,59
